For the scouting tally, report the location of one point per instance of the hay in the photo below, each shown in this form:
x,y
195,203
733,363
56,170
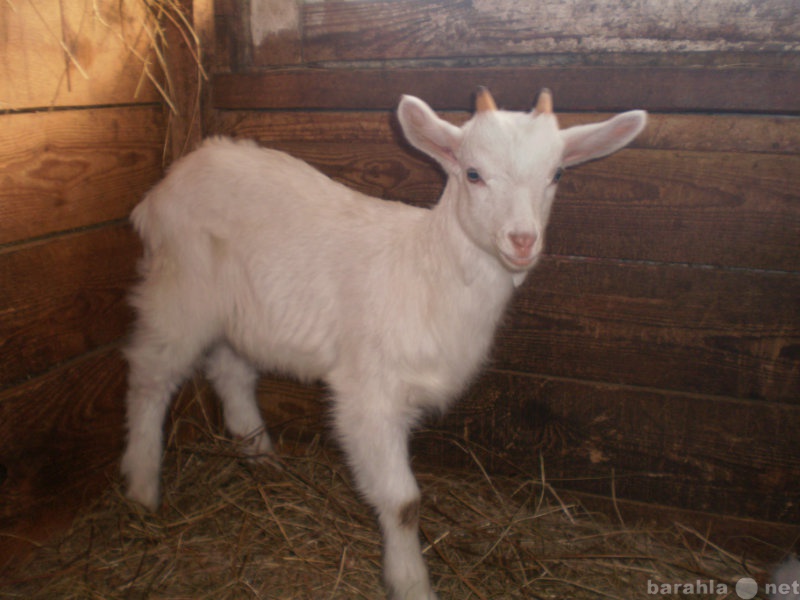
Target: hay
x,y
230,529
157,16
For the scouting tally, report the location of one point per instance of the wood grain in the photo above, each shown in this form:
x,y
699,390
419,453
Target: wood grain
x,y
277,32
76,53
364,30
63,297
60,438
65,170
724,456
230,37
673,327
731,210
659,89
719,132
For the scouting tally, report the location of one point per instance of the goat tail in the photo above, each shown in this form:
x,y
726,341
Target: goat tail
x,y
148,225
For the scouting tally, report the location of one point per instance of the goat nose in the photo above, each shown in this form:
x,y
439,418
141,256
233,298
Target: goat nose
x,y
523,242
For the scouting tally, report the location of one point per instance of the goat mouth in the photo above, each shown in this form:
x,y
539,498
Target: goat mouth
x,y
517,263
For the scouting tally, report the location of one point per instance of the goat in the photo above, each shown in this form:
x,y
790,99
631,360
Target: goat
x,y
254,261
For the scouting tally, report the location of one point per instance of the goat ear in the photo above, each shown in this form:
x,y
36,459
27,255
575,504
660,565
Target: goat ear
x,y
587,142
434,136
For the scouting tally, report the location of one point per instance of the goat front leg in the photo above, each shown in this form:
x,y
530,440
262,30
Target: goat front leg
x,y
375,439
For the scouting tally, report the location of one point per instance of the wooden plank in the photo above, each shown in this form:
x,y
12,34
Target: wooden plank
x,y
63,297
661,89
402,29
734,208
276,32
699,133
60,438
230,37
710,454
64,170
186,77
673,327
258,34
75,53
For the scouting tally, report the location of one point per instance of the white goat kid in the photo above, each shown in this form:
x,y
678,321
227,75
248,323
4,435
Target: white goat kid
x,y
255,261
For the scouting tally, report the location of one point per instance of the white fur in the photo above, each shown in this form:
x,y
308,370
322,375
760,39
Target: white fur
x,y
255,261
785,584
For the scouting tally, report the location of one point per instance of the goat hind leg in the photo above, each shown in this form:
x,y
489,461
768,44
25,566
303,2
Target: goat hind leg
x,y
157,369
234,379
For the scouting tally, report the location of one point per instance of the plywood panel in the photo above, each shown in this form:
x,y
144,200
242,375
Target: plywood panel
x,y
739,89
652,203
64,170
369,29
673,327
75,53
63,297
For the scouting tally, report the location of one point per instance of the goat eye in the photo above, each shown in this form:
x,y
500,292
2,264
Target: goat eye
x,y
558,175
473,176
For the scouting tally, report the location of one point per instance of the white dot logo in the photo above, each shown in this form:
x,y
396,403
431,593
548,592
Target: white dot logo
x,y
746,588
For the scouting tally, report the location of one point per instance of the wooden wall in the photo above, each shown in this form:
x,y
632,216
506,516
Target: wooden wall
x,y
653,355
81,139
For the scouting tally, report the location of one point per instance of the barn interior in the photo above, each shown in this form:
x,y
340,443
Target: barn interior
x,y
646,376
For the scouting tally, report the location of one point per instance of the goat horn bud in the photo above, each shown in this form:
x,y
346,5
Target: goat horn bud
x,y
484,100
544,104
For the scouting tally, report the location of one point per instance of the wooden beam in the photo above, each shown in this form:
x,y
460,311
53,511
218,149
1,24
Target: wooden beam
x,y
348,30
186,74
720,133
663,89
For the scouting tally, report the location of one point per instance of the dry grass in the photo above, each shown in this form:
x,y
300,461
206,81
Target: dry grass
x,y
232,529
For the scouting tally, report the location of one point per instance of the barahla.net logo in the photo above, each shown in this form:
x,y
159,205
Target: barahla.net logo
x,y
746,589
699,587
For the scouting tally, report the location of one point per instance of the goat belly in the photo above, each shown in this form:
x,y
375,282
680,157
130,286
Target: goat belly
x,y
277,316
